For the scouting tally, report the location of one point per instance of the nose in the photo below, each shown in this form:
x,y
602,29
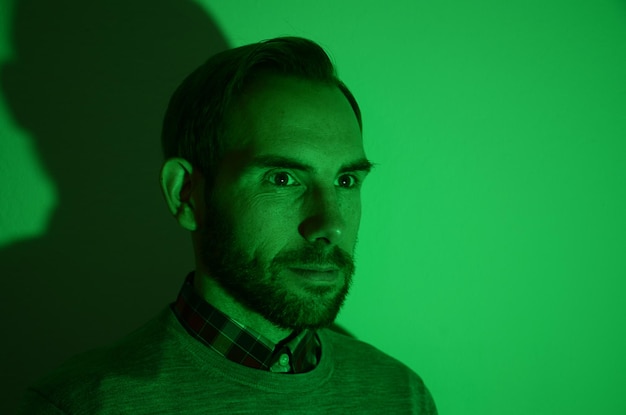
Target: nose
x,y
324,222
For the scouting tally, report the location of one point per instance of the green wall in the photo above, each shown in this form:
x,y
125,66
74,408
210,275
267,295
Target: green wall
x,y
492,252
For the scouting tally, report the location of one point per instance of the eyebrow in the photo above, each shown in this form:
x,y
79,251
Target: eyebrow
x,y
276,161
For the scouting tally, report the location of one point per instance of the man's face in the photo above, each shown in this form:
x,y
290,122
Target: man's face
x,y
287,199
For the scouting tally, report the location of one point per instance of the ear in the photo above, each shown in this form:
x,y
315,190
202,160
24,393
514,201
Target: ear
x,y
181,187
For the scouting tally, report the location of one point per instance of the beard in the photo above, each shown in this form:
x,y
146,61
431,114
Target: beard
x,y
263,288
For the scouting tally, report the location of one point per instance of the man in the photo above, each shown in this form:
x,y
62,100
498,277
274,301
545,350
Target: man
x,y
264,166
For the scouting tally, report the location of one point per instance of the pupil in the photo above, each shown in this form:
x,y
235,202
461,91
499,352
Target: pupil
x,y
282,178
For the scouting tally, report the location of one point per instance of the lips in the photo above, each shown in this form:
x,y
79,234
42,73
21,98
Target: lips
x,y
317,269
317,274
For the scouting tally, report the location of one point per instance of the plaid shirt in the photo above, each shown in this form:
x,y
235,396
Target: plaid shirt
x,y
297,353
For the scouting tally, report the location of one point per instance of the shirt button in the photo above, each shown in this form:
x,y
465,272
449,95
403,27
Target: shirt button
x,y
284,360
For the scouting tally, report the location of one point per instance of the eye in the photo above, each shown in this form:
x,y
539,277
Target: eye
x,y
281,179
348,181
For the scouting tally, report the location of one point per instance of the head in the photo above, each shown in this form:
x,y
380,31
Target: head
x,y
264,165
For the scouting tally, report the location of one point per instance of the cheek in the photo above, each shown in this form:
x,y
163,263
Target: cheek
x,y
265,223
350,207
352,218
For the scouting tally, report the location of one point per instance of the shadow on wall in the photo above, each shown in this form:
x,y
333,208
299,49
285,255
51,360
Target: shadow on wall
x,y
90,81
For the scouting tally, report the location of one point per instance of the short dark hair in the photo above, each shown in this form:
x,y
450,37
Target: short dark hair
x,y
194,125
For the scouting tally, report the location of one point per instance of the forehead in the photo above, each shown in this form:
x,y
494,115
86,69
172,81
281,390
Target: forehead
x,y
292,116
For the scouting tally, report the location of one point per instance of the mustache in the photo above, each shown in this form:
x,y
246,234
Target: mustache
x,y
315,257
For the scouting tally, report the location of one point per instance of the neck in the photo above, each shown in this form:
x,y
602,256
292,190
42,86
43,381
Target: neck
x,y
215,295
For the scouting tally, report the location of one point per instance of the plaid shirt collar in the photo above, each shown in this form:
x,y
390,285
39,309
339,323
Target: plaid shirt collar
x,y
297,353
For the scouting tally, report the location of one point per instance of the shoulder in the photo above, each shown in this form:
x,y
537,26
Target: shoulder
x,y
365,366
350,349
89,376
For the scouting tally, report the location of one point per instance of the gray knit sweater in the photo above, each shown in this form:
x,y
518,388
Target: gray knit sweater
x,y
161,369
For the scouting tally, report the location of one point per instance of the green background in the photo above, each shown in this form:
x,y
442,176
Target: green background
x,y
492,251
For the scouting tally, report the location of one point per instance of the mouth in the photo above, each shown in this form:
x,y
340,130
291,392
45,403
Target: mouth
x,y
316,269
317,274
